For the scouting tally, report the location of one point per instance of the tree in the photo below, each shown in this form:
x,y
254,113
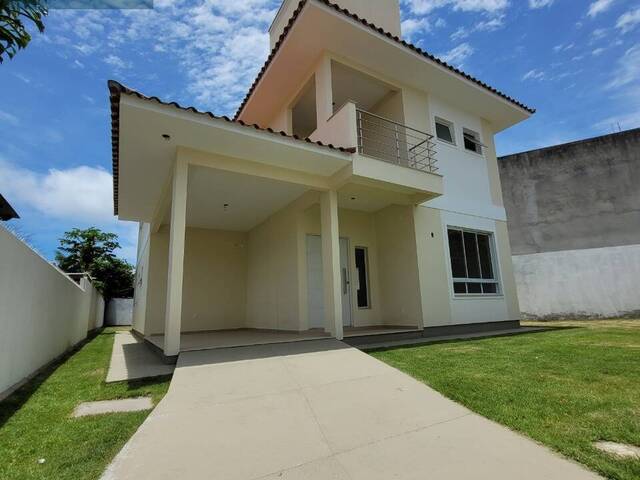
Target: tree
x,y
92,251
13,33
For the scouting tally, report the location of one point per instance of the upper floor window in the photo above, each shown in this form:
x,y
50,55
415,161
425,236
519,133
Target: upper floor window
x,y
472,262
444,130
472,141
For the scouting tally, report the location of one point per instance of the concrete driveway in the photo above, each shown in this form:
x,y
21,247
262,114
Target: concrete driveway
x,y
319,410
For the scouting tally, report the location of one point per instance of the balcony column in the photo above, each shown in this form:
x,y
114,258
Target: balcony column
x,y
173,312
331,263
324,92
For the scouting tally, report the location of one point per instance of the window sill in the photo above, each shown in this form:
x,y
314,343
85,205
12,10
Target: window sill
x,y
471,152
476,296
445,143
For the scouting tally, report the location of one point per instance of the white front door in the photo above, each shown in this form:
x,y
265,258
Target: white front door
x,y
315,291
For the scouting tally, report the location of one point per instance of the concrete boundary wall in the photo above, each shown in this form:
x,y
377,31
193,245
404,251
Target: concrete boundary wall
x,y
43,313
595,282
119,312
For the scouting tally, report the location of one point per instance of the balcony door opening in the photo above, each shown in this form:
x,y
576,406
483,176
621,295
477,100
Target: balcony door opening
x,y
303,114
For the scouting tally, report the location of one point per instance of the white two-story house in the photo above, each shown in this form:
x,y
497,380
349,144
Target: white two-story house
x,y
355,192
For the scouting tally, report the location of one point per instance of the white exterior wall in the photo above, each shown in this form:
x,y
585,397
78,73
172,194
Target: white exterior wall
x,y
141,279
214,285
602,281
43,312
471,200
467,184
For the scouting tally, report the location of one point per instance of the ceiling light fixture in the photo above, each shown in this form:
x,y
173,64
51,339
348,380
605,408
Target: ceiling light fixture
x,y
166,136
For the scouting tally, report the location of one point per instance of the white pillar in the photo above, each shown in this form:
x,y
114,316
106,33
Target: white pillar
x,y
324,92
331,263
173,313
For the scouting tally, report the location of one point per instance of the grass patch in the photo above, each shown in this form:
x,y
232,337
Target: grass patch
x,y
35,421
566,388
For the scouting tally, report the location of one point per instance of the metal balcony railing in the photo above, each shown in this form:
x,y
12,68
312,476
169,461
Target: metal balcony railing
x,y
394,142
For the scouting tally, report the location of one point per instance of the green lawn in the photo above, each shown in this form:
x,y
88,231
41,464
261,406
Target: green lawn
x,y
565,388
35,421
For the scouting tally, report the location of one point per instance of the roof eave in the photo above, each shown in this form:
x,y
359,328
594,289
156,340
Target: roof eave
x,y
426,55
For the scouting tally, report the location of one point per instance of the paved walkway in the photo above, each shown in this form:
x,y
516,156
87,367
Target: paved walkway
x,y
131,359
320,410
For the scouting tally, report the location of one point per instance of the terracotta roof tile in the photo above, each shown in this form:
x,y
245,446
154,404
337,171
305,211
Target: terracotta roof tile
x,y
381,31
116,89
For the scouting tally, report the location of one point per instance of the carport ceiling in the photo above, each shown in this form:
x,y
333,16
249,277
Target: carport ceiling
x,y
249,200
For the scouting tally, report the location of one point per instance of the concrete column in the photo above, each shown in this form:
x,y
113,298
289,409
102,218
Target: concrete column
x,y
331,263
324,92
173,314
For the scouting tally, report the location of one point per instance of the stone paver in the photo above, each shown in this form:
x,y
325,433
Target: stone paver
x,y
320,410
132,359
622,450
113,406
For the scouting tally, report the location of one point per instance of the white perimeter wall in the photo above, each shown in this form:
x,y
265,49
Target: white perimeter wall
x,y
42,312
590,282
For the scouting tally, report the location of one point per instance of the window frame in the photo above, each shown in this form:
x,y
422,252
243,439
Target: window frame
x,y
450,125
465,280
366,274
476,140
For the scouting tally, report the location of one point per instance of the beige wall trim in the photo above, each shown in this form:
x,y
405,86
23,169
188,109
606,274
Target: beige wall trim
x,y
509,289
492,164
202,159
173,314
331,263
162,206
324,90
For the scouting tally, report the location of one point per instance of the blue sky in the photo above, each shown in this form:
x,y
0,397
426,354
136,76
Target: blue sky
x,y
576,61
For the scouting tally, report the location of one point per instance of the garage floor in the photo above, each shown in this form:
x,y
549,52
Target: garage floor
x,y
319,409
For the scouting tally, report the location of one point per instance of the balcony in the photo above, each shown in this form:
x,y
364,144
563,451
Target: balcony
x,y
388,154
393,142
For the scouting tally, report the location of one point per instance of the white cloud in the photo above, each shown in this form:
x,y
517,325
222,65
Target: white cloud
x,y
534,75
219,45
489,25
540,3
22,77
483,26
628,69
6,117
459,34
58,200
117,62
629,20
597,51
81,193
413,26
421,7
562,47
599,6
457,55
619,122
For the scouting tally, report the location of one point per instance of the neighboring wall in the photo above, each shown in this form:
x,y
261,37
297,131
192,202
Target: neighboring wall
x,y
574,225
43,312
119,312
574,196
